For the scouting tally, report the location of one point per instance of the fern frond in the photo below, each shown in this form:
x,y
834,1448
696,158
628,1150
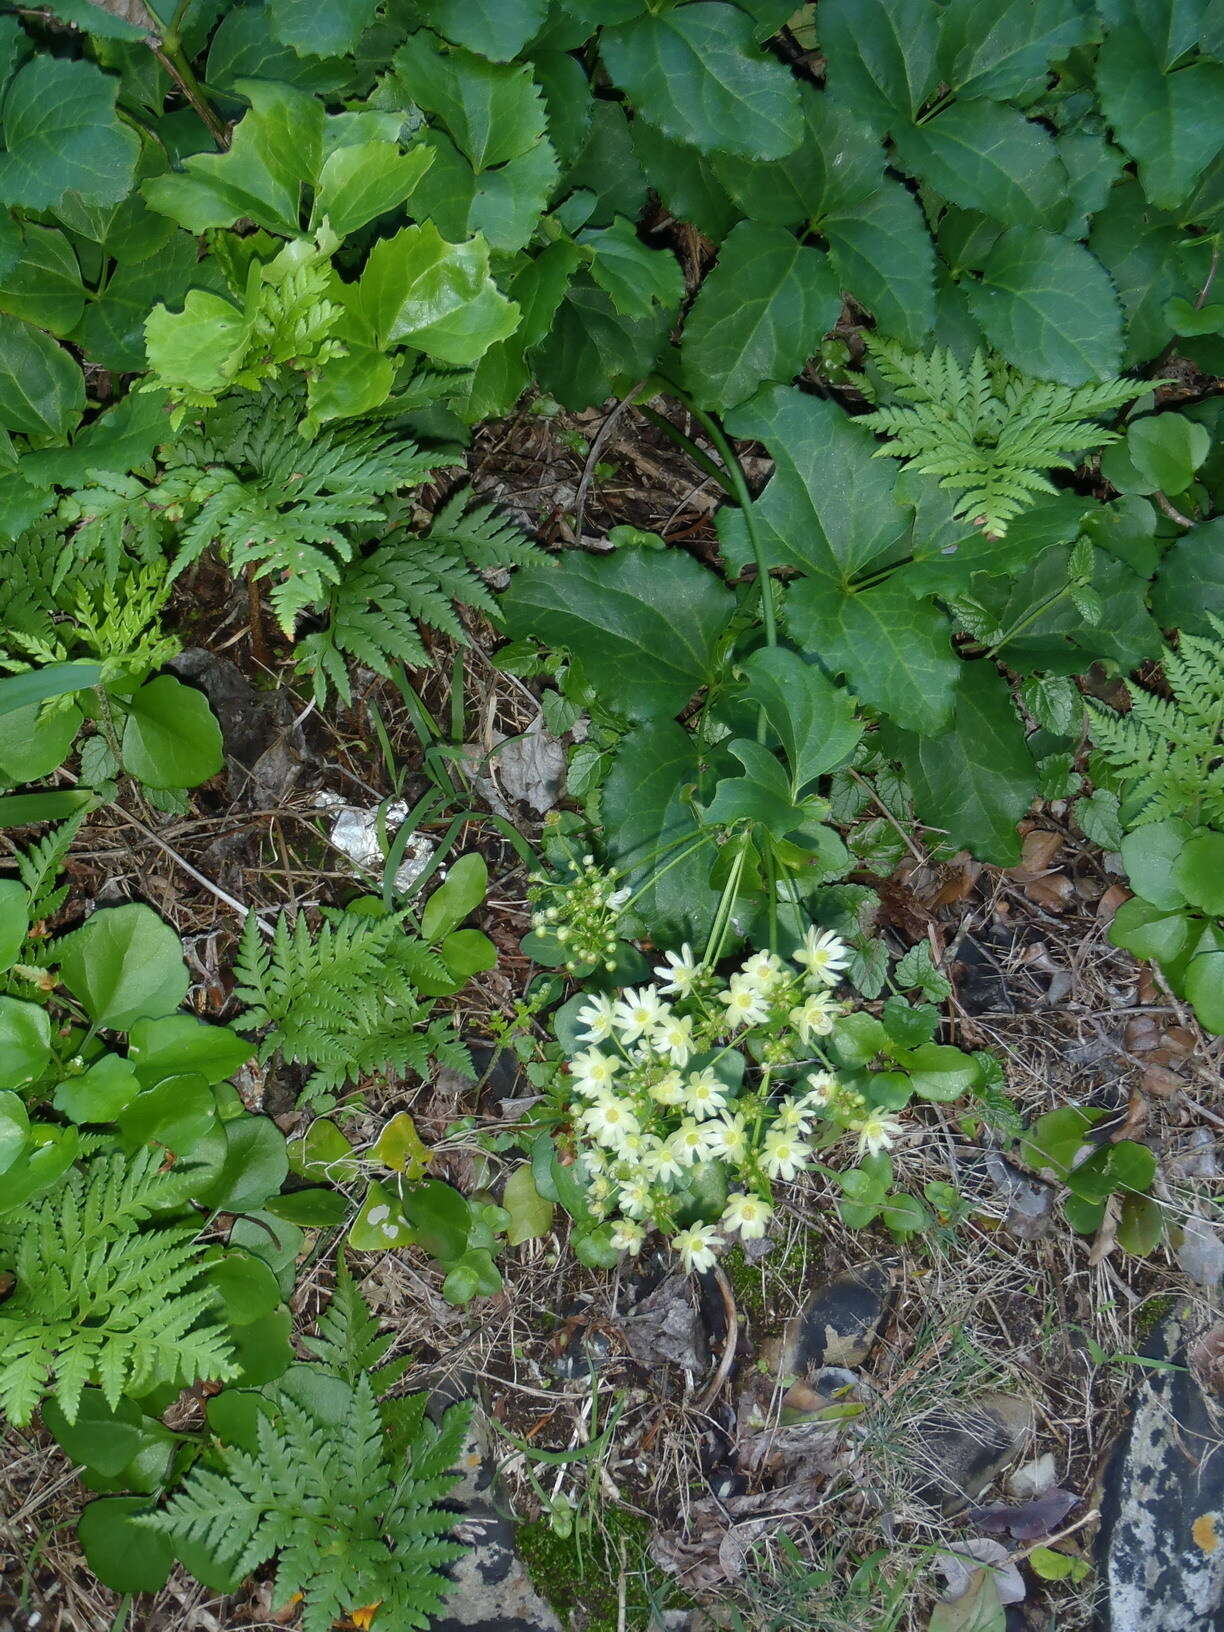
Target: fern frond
x,y
989,433
104,1292
1168,752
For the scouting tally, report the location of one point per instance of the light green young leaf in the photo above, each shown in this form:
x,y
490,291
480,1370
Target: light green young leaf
x,y
200,347
496,28
61,133
25,1042
365,180
759,315
634,276
646,628
277,148
988,157
1171,124
895,652
42,391
829,508
493,111
975,781
436,296
813,719
1205,979
505,204
124,964
320,28
171,738
697,73
1049,308
1166,450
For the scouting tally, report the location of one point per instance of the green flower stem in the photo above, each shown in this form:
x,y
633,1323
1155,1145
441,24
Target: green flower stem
x,y
698,455
718,929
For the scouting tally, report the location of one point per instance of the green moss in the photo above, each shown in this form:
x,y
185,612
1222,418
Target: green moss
x,y
1151,1313
580,1577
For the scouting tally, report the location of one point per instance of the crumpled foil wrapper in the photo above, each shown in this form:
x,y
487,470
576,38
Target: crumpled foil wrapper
x,y
354,833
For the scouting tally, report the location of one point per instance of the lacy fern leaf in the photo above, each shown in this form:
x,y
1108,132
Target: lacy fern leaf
x,y
348,1506
104,1292
346,1000
988,432
381,599
1168,753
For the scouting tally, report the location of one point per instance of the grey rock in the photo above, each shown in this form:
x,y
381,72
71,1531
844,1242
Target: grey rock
x,y
264,748
955,1452
837,1326
1160,1547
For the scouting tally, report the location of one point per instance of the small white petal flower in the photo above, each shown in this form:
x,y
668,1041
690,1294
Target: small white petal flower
x,y
876,1132
638,1012
628,1236
696,1246
594,1073
704,1095
608,1120
823,955
669,1090
748,1214
729,1137
674,1038
636,1198
691,1142
822,1090
762,970
662,1163
595,1019
815,1016
744,1003
784,1154
682,971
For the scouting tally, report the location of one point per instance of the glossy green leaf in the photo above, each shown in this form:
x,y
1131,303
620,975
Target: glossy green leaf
x,y
939,1072
881,55
320,28
436,296
465,887
1171,123
1140,1227
440,1216
895,651
381,1222
61,134
100,1093
496,28
592,351
44,286
124,1555
42,391
632,274
124,964
813,719
883,255
311,1209
1199,872
975,781
646,628
1049,307
1151,854
493,110
1166,450
1149,931
177,1113
1190,581
505,203
986,156
1205,979
530,1214
759,315
361,182
171,738
761,797
25,1042
697,73
254,1168
1003,48
14,920
181,1043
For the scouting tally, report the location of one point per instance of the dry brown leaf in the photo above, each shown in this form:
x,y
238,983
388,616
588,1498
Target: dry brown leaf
x,y
1053,892
1036,854
1115,896
1157,1080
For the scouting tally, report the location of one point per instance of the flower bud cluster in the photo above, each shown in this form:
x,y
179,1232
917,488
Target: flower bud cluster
x,y
582,912
659,1096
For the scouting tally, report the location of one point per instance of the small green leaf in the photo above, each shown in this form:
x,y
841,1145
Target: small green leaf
x,y
467,883
42,391
813,719
381,1223
1167,449
1199,872
14,1129
171,738
25,1042
14,920
246,1287
1151,855
254,1167
1205,979
124,964
98,1094
633,275
1171,124
530,1215
125,1556
493,110
441,1218
939,1072
177,1113
1148,931
398,1147
439,297
697,72
496,28
181,1043
361,182
320,28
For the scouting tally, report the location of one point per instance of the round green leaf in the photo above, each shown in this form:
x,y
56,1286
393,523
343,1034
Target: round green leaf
x,y
14,920
25,1042
1166,449
98,1094
180,1043
380,1223
124,964
171,738
247,1287
262,1347
126,1556
1205,980
440,1216
1149,932
100,1438
530,1215
254,1169
1140,1225
475,1275
177,1113
1150,855
311,1209
1199,872
14,1130
939,1072
31,747
1132,1166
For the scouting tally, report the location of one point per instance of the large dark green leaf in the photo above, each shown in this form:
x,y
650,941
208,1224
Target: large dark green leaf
x,y
112,333
591,351
881,55
61,133
1002,48
320,28
836,166
988,157
646,628
504,204
884,257
1171,124
697,73
829,507
1190,582
496,28
1139,246
42,391
171,738
1049,307
895,651
975,781
493,111
44,287
760,314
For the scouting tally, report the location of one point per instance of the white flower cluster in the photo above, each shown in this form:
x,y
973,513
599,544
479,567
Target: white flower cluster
x,y
657,1095
582,913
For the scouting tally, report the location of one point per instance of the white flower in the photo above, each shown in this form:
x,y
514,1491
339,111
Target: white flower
x,y
594,1073
814,1017
762,970
595,1018
682,971
662,1163
669,1090
691,1142
618,898
608,1120
784,1155
628,1236
747,1214
704,1095
823,1089
637,1012
729,1137
876,1132
636,1198
793,1117
696,1246
823,955
744,1003
674,1037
